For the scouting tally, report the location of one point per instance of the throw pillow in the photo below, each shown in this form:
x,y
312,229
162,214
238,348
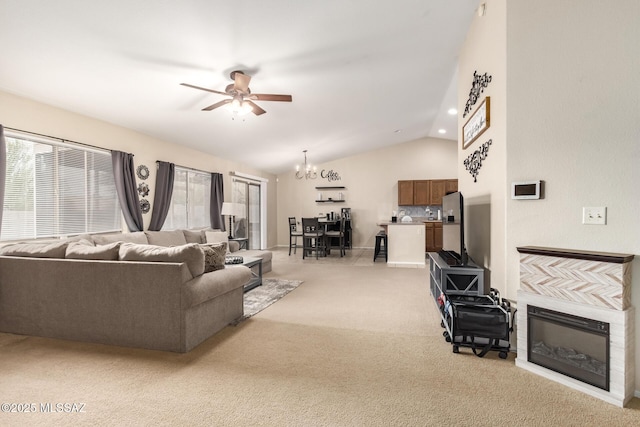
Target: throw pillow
x,y
218,237
191,254
35,250
214,256
84,249
166,238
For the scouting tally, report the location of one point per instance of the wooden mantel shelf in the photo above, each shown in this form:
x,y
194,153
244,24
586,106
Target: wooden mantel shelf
x,y
577,254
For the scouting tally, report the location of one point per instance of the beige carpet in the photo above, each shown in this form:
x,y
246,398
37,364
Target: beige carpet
x,y
356,344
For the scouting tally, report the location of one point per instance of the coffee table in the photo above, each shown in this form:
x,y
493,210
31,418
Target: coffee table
x,y
255,265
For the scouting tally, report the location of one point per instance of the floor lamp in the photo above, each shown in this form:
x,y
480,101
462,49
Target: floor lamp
x,y
229,209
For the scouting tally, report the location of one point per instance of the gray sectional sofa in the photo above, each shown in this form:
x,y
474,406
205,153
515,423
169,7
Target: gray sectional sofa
x,y
144,289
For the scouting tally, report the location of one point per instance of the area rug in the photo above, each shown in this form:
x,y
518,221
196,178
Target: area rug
x,y
263,296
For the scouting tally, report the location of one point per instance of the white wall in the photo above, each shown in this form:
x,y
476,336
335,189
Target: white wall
x,y
371,181
24,114
484,51
574,121
568,74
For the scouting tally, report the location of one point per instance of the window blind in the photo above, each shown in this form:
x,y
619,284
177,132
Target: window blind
x,y
55,189
191,200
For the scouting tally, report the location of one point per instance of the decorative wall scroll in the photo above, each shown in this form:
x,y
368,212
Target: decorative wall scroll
x,y
479,121
477,87
473,163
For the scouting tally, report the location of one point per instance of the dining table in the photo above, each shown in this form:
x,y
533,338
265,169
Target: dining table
x,y
327,224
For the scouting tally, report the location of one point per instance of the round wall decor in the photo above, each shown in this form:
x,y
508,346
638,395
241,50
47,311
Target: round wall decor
x,y
143,172
143,189
145,206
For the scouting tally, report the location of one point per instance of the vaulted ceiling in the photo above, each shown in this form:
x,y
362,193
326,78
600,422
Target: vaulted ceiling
x,y
363,74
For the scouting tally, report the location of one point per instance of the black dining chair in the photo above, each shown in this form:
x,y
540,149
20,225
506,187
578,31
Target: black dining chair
x,y
293,234
337,234
312,237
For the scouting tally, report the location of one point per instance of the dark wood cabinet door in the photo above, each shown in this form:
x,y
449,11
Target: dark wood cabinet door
x,y
451,186
405,193
429,237
438,187
437,236
421,192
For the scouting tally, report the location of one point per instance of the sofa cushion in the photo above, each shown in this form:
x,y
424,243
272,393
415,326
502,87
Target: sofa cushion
x,y
135,237
84,249
194,236
191,254
218,236
214,256
36,249
166,238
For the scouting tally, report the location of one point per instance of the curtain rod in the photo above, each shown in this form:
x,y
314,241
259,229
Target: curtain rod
x,y
55,137
186,167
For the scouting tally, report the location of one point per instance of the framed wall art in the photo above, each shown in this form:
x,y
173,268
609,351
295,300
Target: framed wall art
x,y
479,122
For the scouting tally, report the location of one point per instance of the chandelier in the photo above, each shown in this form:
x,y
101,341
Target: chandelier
x,y
309,172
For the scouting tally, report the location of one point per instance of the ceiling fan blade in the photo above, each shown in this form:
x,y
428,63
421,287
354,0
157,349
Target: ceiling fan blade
x,y
203,88
257,110
269,97
242,82
217,104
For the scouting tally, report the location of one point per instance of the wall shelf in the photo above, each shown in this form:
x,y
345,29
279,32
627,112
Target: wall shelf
x,y
333,192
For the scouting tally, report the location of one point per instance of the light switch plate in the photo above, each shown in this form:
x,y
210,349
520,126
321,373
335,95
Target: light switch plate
x,y
594,215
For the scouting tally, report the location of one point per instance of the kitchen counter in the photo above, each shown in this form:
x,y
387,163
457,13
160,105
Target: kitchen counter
x,y
406,244
414,222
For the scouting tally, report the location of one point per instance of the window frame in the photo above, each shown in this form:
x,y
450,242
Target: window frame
x,y
171,222
91,178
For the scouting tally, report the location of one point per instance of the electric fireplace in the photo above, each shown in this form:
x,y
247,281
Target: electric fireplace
x,y
571,345
576,322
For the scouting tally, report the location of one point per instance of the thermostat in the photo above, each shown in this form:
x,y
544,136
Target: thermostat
x,y
527,190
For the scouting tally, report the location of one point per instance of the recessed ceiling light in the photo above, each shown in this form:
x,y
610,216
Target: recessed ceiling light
x,y
442,131
397,131
452,111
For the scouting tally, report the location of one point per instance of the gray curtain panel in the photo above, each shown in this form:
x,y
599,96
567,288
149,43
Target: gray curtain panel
x,y
217,197
124,174
162,197
3,170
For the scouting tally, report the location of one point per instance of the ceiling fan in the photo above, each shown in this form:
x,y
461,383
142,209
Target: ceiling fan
x,y
241,100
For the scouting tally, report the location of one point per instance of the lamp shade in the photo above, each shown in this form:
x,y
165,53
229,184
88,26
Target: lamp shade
x,y
228,208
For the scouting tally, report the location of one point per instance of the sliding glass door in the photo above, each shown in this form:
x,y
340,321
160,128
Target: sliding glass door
x,y
246,195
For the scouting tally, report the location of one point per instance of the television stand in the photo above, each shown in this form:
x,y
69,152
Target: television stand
x,y
449,279
455,287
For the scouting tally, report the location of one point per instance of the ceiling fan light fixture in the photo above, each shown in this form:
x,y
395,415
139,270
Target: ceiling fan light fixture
x,y
239,107
238,90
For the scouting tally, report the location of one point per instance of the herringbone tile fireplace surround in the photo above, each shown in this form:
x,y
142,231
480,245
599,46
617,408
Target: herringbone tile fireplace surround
x,y
590,285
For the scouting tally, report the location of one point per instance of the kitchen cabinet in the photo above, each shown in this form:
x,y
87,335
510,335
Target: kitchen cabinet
x,y
421,193
433,236
438,190
405,193
425,192
451,185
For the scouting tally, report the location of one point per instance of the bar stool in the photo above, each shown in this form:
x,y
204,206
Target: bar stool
x,y
293,234
381,245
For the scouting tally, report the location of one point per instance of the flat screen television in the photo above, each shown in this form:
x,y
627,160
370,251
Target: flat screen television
x,y
453,248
